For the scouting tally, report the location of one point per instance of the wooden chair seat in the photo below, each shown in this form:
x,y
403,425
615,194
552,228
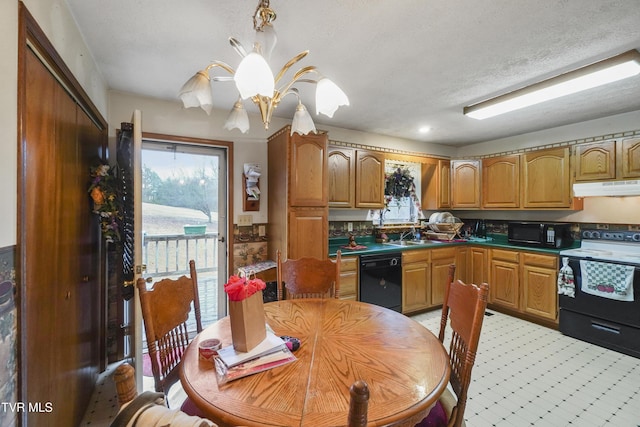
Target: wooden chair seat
x,y
308,277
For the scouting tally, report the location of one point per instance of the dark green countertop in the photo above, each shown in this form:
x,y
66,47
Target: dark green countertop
x,y
371,247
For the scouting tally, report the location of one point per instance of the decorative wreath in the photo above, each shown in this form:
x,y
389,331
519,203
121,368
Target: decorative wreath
x,y
106,203
399,184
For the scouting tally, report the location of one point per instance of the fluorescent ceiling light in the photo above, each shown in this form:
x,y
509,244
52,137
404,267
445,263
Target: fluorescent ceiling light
x,y
607,71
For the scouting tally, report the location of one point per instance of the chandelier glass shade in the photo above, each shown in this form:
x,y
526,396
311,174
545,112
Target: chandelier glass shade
x,y
254,80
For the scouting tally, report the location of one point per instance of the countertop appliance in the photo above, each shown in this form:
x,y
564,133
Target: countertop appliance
x,y
606,262
542,234
381,280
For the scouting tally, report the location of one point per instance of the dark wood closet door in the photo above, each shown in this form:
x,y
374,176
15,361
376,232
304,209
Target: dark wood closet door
x,y
60,254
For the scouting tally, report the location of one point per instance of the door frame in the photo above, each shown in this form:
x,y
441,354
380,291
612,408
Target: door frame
x,y
214,143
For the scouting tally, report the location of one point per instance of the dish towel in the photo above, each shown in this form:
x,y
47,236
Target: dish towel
x,y
566,285
607,280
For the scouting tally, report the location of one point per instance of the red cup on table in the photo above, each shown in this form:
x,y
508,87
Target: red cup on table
x,y
208,349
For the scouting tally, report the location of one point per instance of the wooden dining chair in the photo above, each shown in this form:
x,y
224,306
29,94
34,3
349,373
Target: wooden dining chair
x,y
148,408
464,306
308,278
358,404
165,311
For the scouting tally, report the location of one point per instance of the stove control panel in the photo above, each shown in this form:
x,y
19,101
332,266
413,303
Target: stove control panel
x,y
617,236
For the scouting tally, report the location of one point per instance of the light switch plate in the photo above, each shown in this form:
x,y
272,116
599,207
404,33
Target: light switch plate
x,y
262,231
245,220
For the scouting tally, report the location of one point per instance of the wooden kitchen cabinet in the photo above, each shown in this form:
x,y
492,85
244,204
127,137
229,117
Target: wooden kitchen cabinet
x,y
416,280
306,225
298,203
465,184
349,278
444,193
607,160
539,285
596,161
501,182
478,266
369,180
629,155
462,263
341,172
524,282
546,179
307,170
505,278
435,183
441,259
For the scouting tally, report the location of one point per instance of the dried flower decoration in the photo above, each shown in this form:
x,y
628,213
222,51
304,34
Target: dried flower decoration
x,y
399,184
106,203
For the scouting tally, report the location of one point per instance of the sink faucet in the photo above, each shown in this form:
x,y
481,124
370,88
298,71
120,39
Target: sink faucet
x,y
411,233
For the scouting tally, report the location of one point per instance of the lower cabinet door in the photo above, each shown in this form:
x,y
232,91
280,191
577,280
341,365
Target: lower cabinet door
x,y
505,285
540,296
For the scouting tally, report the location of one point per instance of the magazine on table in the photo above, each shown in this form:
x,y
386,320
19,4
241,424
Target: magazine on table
x,y
270,353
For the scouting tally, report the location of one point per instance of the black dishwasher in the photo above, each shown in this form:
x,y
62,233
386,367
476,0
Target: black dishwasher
x,y
381,280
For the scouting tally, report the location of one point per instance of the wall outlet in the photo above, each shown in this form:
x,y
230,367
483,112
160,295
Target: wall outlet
x,y
602,226
349,226
262,231
245,220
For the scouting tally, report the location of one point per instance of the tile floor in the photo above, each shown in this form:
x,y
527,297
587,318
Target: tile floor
x,y
524,375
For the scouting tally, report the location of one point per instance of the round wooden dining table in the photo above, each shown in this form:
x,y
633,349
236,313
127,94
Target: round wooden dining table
x,y
404,364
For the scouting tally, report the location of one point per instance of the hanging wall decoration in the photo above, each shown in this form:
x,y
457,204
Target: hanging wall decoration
x,y
106,203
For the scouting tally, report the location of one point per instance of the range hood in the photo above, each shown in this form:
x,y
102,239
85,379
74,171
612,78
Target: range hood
x,y
607,188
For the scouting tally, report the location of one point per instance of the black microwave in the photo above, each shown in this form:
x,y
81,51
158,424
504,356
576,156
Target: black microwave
x,y
541,234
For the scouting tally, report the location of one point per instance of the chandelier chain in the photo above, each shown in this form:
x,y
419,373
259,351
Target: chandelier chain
x,y
265,13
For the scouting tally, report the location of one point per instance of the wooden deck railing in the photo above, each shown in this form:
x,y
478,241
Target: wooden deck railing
x,y
168,255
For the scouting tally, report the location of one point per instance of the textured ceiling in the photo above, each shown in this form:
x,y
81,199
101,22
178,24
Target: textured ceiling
x,y
404,64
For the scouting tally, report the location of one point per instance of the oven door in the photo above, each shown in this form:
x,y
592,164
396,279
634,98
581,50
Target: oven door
x,y
622,312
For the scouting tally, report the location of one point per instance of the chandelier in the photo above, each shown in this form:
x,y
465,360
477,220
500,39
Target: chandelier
x,y
255,80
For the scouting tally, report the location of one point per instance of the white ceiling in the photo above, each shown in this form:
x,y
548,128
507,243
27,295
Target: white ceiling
x,y
403,63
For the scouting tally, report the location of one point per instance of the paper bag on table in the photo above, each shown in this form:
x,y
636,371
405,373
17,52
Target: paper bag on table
x,y
247,322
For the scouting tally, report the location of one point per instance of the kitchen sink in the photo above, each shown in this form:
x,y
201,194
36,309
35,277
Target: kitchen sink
x,y
412,242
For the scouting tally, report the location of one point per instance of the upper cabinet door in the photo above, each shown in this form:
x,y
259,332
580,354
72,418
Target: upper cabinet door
x,y
444,184
369,179
630,155
308,170
546,179
501,182
595,161
465,184
341,171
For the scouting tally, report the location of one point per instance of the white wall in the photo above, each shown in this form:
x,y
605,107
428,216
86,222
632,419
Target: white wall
x,y
57,23
8,121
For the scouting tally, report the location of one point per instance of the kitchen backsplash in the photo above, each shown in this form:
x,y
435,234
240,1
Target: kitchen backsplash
x,y
366,228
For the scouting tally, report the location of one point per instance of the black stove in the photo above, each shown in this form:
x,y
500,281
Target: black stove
x,y
604,305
